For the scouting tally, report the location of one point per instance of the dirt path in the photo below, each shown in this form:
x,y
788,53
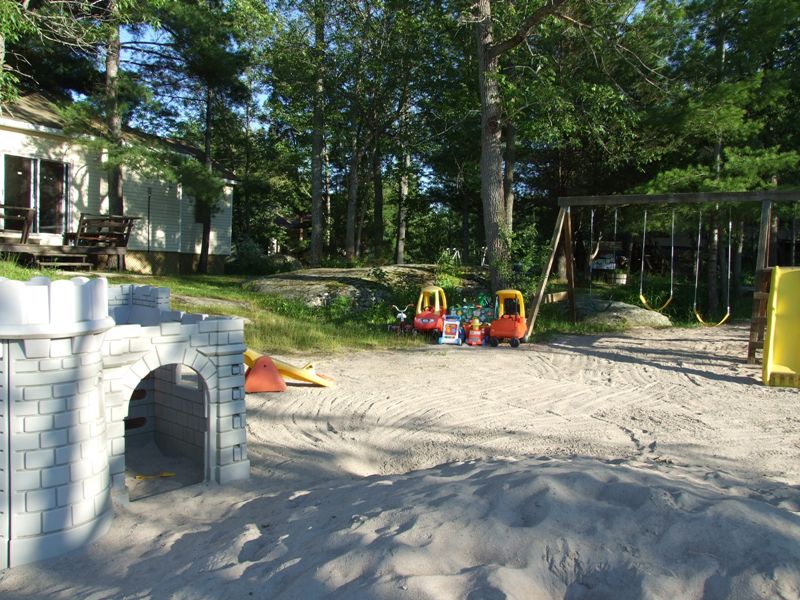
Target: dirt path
x,y
684,396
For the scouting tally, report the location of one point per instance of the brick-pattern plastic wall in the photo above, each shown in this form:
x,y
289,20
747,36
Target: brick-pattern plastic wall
x,y
180,407
143,406
4,487
148,336
56,476
66,381
59,463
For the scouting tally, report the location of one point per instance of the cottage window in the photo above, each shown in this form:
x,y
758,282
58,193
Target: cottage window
x,y
39,184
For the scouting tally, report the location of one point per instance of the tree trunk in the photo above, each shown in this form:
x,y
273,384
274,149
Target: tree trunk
x,y
712,255
562,264
113,116
205,208
328,215
317,142
509,164
248,171
405,167
352,203
494,217
362,217
377,217
492,198
402,210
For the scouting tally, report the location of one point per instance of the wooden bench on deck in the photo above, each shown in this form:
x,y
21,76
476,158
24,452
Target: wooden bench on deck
x,y
102,234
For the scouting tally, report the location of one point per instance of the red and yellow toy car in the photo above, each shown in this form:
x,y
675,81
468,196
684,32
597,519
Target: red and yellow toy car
x,y
509,323
431,310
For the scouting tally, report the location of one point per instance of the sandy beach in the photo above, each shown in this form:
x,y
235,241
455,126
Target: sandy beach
x,y
650,464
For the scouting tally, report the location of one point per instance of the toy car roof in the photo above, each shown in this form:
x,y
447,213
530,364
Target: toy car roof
x,y
508,293
431,289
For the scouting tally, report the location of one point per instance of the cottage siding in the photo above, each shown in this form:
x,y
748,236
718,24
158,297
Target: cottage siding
x,y
87,186
168,226
158,228
221,223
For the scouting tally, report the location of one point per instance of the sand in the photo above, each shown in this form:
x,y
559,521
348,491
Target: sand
x,y
650,464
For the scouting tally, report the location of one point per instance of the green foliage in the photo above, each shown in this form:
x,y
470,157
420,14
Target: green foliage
x,y
10,268
743,169
379,275
203,185
527,258
247,258
13,25
656,96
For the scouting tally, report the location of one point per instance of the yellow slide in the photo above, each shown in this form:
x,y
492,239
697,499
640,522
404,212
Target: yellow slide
x,y
782,339
306,373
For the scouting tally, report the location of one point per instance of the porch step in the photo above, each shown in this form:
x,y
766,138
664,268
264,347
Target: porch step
x,y
63,261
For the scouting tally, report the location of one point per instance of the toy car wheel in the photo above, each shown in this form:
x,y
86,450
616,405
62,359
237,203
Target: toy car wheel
x,y
493,341
514,342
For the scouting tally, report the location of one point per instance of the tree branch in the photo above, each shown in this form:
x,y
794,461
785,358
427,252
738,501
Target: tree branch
x,y
625,53
525,29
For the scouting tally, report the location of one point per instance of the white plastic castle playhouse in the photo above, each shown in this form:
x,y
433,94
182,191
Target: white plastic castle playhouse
x,y
87,370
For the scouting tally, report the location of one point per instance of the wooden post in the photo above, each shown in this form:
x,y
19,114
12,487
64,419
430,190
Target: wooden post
x,y
570,265
537,303
763,235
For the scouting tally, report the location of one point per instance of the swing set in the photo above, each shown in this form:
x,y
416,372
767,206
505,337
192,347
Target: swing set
x,y
563,229
642,298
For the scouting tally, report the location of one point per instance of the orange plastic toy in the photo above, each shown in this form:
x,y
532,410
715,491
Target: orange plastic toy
x,y
477,334
263,376
431,309
509,323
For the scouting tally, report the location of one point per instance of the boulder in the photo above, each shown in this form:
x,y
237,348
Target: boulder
x,y
618,315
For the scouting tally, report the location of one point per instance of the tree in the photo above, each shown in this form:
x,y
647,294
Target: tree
x,y
71,24
489,53
199,65
317,135
113,116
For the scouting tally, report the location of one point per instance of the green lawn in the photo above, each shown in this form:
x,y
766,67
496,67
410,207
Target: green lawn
x,y
276,325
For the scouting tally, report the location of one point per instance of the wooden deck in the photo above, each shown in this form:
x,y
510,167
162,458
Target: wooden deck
x,y
63,256
96,236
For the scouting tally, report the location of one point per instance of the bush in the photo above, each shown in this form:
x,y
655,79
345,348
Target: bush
x,y
249,259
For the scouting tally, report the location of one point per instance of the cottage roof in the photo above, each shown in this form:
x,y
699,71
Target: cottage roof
x,y
41,110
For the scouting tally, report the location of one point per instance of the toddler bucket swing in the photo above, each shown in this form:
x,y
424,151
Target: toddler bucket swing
x,y
697,274
671,267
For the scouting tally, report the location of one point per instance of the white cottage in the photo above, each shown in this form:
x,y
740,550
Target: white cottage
x,y
60,178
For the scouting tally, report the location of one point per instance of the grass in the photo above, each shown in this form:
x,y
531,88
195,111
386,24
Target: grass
x,y
679,311
276,325
11,269
553,318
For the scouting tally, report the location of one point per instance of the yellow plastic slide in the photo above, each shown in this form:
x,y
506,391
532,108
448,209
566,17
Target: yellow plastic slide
x,y
782,339
306,373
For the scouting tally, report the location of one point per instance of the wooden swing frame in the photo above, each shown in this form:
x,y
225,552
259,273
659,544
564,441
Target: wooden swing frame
x,y
563,227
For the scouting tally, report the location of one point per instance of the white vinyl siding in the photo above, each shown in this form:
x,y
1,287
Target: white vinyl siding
x,y
159,226
221,223
168,227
